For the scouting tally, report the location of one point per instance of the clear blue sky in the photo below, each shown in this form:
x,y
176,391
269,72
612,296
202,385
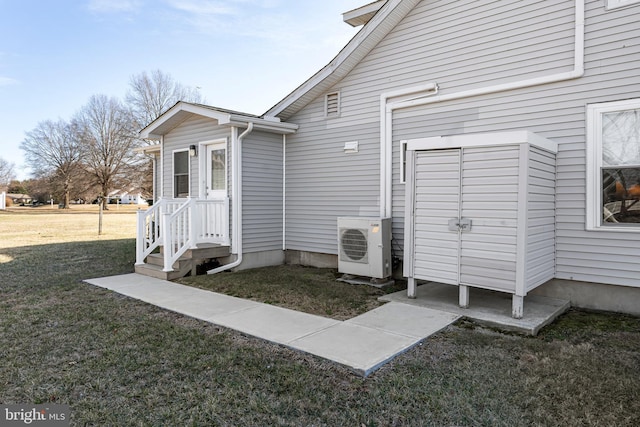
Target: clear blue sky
x,y
243,54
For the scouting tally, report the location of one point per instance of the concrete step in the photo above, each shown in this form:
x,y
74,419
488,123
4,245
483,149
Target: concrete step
x,y
158,259
204,251
156,272
184,265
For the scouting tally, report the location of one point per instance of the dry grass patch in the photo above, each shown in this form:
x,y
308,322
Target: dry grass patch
x,y
308,289
117,361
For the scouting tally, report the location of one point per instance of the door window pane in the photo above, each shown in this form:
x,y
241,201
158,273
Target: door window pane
x,y
218,169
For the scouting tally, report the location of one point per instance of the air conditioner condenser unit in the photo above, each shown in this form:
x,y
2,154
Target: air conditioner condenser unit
x,y
364,246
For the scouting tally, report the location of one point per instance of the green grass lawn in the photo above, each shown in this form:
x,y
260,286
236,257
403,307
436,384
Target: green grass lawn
x,y
121,362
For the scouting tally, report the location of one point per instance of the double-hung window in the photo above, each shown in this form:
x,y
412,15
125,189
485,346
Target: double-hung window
x,y
181,174
613,166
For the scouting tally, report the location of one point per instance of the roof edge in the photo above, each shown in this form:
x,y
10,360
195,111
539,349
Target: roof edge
x,y
363,14
339,65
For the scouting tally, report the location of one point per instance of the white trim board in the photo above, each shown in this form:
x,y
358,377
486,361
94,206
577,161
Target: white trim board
x,y
481,140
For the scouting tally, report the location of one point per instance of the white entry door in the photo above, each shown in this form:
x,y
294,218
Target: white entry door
x,y
216,176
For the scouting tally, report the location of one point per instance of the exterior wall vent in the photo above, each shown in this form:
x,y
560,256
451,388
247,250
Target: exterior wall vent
x,y
332,104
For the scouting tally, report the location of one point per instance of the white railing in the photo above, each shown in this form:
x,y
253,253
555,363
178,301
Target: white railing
x,y
179,225
3,201
149,236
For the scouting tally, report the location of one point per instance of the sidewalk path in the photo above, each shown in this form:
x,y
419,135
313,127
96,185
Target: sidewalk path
x,y
363,343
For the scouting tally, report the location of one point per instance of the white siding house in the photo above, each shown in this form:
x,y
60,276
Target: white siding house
x,y
564,71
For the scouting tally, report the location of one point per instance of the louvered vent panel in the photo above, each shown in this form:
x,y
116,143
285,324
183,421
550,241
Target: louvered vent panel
x,y
333,104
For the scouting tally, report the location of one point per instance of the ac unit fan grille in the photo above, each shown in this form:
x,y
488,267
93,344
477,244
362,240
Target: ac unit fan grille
x,y
353,243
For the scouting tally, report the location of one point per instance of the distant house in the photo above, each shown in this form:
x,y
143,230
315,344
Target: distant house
x,y
127,197
499,139
20,199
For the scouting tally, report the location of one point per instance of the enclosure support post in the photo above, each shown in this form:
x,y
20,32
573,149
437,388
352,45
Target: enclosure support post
x,y
464,296
517,307
411,288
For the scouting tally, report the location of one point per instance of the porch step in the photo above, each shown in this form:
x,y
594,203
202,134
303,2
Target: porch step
x,y
155,271
184,265
158,259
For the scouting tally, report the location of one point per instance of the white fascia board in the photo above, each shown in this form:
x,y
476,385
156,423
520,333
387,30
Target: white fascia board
x,y
335,65
262,124
151,131
482,140
148,149
363,14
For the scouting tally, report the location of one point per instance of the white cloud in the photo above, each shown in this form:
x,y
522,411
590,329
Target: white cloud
x,y
6,81
204,8
111,6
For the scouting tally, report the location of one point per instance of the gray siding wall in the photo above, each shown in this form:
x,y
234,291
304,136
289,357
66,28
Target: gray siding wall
x,y
463,45
191,131
262,192
540,213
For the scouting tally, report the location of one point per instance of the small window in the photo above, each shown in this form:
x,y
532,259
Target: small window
x,y
613,165
614,4
180,174
332,104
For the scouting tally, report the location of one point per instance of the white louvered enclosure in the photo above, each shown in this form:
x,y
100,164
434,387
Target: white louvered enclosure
x,y
480,213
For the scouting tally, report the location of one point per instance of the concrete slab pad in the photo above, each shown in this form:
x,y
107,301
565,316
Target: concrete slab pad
x,y
403,319
361,348
486,307
208,305
362,344
275,324
197,303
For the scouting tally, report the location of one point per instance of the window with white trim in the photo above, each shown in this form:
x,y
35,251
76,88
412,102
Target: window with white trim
x,y
614,4
181,174
613,166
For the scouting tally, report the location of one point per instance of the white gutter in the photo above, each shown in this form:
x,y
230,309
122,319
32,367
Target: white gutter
x,y
236,148
387,107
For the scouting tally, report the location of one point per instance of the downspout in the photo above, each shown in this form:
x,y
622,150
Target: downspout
x,y
237,199
387,108
284,192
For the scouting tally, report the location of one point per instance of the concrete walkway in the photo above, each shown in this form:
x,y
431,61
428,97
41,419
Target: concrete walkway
x,y
363,343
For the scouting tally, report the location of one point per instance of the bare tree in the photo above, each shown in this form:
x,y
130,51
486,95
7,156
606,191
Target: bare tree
x,y
53,150
108,137
152,94
7,173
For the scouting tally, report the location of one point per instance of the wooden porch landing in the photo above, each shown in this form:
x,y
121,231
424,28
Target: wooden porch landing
x,y
185,265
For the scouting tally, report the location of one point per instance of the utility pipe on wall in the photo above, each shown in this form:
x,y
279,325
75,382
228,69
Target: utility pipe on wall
x,y
387,107
237,197
284,192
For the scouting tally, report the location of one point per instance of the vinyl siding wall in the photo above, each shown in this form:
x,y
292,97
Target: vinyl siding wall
x,y
191,132
540,257
463,45
262,192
